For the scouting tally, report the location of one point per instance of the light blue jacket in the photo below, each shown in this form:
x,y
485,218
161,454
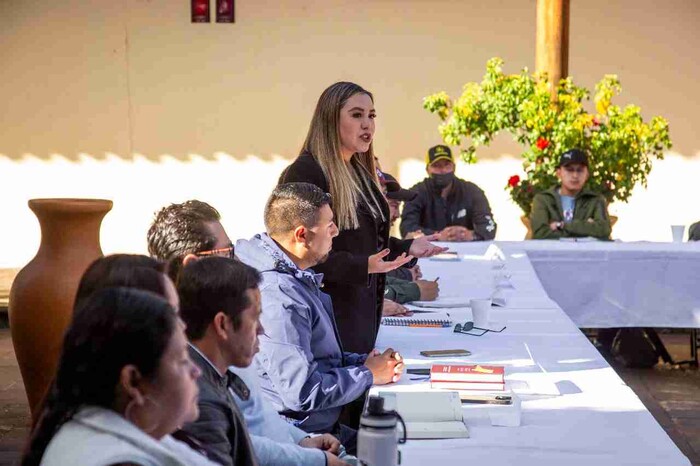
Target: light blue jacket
x,y
275,441
302,367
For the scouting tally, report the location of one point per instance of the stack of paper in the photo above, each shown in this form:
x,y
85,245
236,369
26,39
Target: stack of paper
x,y
468,377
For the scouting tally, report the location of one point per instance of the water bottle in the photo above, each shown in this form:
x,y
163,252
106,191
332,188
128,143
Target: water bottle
x,y
378,438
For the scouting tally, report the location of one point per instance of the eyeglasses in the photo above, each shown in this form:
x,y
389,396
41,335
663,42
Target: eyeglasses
x,y
229,252
469,326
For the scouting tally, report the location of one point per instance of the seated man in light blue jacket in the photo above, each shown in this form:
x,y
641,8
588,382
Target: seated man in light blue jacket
x,y
182,232
302,367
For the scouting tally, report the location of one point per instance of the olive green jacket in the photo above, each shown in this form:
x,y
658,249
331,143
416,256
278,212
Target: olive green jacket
x,y
401,291
590,216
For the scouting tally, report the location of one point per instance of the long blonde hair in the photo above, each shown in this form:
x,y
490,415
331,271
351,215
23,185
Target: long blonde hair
x,y
348,183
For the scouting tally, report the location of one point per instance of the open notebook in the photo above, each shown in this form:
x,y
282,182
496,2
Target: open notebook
x,y
428,414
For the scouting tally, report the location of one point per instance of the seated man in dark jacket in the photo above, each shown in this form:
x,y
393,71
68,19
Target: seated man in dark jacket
x,y
570,210
456,209
302,367
220,304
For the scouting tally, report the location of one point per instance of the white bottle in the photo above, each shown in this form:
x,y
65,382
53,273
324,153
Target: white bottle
x,y
377,439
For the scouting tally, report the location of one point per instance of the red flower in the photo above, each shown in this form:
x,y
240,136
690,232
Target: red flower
x,y
596,122
542,143
513,181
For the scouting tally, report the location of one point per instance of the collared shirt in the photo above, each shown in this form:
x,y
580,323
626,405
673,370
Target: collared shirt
x,y
220,425
268,451
235,384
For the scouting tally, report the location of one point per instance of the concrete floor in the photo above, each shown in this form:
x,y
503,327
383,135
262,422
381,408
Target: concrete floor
x,y
671,394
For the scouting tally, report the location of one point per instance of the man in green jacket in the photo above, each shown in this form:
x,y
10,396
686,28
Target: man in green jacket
x,y
570,210
399,290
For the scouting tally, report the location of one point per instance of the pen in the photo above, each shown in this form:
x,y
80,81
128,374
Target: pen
x,y
487,402
430,325
438,278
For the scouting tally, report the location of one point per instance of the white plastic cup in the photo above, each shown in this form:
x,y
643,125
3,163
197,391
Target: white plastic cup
x,y
677,231
508,415
480,312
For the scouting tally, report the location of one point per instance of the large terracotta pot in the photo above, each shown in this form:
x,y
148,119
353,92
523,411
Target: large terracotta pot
x,y
43,293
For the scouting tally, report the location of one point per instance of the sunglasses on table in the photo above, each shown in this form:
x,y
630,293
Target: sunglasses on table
x,y
469,326
229,251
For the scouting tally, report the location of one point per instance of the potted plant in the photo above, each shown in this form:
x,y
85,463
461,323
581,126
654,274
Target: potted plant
x,y
620,144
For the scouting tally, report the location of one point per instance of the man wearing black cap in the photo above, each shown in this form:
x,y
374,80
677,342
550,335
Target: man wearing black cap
x,y
456,209
570,210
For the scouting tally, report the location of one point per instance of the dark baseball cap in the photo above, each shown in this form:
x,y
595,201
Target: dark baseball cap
x,y
393,188
439,152
573,156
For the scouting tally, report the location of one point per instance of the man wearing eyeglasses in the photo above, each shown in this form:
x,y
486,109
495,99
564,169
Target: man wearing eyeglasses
x,y
179,234
192,228
570,210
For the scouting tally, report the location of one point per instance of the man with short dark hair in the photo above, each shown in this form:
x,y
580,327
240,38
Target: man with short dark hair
x,y
570,210
303,368
182,233
456,209
220,304
193,227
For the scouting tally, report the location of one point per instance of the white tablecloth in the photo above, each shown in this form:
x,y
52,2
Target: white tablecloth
x,y
611,284
590,417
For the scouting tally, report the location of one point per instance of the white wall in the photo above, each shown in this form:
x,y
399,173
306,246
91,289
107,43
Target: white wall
x,y
129,101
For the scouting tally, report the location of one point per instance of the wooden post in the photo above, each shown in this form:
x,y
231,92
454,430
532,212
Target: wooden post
x,y
552,52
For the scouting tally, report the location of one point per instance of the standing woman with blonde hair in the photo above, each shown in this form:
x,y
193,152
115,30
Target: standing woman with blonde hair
x,y
338,157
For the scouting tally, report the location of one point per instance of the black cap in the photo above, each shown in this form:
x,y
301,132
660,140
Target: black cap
x,y
393,188
439,152
573,156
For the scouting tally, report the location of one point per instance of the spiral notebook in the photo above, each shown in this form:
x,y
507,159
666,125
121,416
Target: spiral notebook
x,y
437,321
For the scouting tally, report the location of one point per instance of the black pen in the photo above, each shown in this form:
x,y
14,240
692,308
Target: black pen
x,y
487,400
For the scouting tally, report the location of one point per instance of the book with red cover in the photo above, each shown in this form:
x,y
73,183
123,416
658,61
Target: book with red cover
x,y
463,373
471,386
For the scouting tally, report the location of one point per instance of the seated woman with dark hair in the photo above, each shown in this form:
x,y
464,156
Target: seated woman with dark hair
x,y
124,383
128,271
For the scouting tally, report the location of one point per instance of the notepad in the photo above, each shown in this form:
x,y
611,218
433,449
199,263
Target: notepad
x,y
444,302
436,319
417,322
428,414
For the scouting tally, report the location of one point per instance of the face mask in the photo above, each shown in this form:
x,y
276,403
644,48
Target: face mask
x,y
442,180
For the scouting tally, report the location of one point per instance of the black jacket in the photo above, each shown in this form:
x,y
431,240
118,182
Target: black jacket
x,y
466,206
220,426
357,296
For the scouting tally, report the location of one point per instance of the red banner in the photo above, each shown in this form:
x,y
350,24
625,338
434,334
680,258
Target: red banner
x,y
200,11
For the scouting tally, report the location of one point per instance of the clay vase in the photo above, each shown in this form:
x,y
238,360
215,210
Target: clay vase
x,y
43,293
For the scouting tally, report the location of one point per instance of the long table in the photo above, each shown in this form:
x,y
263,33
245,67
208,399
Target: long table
x,y
575,408
614,284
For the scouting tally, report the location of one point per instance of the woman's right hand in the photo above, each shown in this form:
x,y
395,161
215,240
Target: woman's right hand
x,y
391,308
376,264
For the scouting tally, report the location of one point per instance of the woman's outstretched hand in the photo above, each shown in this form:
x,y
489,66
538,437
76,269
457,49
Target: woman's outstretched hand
x,y
377,264
422,247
